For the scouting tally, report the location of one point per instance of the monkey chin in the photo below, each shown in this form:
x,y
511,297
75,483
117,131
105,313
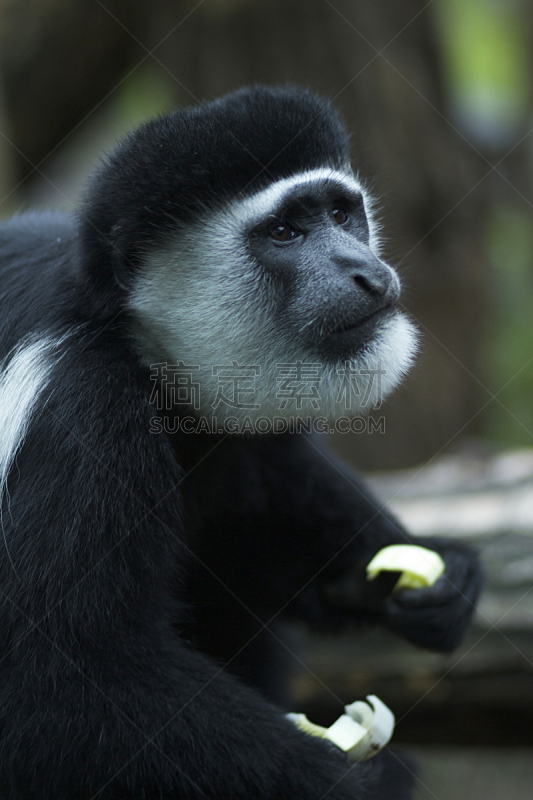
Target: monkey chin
x,y
352,384
389,353
357,382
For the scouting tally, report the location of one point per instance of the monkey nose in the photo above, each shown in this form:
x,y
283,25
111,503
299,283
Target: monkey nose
x,y
371,275
376,278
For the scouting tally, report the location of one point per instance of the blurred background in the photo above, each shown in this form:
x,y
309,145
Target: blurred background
x,y
439,98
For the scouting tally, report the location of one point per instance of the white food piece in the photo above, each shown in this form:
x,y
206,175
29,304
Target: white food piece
x,y
419,566
378,721
362,731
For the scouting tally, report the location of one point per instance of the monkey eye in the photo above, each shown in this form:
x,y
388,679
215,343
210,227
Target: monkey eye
x,y
283,233
339,215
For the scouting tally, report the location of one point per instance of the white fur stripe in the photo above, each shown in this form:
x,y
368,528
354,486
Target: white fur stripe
x,y
265,202
242,213
23,376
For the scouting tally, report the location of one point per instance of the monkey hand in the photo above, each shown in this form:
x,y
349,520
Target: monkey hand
x,y
437,616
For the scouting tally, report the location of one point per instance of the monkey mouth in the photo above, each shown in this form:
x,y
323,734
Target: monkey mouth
x,y
369,321
351,335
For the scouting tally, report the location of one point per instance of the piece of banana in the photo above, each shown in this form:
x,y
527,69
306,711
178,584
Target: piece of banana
x,y
419,566
361,732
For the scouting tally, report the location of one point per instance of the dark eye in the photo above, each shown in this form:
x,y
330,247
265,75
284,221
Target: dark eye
x,y
283,233
339,215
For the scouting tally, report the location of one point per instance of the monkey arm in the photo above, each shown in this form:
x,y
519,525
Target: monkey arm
x,y
436,616
298,537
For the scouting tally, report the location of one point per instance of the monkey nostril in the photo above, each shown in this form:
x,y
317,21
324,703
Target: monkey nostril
x,y
379,281
370,275
373,284
363,283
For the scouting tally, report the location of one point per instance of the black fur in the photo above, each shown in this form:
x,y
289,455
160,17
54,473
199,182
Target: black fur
x,y
181,166
135,565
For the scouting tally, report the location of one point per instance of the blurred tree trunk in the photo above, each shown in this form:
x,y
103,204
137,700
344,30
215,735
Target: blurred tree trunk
x,y
380,64
59,59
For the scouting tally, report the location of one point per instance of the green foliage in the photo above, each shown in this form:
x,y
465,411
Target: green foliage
x,y
486,58
487,71
147,92
510,347
486,44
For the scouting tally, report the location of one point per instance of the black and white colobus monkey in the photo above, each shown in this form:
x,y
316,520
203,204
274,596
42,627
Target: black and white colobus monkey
x,y
133,564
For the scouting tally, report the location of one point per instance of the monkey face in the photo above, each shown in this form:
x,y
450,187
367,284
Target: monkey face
x,y
288,275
